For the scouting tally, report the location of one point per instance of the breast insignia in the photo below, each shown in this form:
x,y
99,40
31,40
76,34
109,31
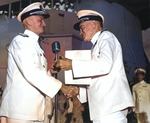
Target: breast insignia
x,y
24,35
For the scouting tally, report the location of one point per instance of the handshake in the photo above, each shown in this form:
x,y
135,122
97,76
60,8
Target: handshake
x,y
69,90
64,64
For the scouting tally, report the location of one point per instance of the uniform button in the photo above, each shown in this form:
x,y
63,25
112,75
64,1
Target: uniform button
x,y
44,66
40,54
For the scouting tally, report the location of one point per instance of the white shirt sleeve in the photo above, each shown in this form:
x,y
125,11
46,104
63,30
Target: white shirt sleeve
x,y
102,58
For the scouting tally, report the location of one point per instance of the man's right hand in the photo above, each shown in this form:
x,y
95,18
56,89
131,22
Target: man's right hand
x,y
69,90
63,63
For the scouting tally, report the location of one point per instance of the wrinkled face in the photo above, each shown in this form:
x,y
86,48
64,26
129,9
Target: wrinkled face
x,y
140,77
86,30
37,24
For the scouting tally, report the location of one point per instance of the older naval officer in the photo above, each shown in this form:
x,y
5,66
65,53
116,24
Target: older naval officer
x,y
29,86
109,95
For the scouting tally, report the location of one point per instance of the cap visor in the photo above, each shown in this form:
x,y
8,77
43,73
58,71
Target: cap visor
x,y
44,14
76,26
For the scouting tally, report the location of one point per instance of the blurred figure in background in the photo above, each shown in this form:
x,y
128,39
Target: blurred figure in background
x,y
141,96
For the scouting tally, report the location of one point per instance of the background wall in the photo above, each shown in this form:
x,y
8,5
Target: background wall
x,y
146,42
127,29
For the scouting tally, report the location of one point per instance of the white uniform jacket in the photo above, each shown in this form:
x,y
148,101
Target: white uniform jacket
x,y
28,82
141,96
109,89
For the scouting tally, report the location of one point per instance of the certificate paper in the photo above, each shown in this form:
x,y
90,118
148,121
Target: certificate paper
x,y
77,55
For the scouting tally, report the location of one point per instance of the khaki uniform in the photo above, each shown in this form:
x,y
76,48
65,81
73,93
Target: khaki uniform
x,y
141,96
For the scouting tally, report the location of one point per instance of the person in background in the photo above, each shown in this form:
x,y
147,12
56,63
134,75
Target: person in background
x,y
108,94
27,97
141,96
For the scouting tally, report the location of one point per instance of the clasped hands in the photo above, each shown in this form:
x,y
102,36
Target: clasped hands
x,y
69,90
65,64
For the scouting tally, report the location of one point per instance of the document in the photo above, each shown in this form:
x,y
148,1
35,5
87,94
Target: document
x,y
77,55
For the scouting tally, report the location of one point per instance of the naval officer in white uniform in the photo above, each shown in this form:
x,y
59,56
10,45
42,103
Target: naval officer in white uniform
x,y
29,86
108,94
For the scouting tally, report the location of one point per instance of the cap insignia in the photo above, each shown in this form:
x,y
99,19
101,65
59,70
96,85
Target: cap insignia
x,y
83,19
41,7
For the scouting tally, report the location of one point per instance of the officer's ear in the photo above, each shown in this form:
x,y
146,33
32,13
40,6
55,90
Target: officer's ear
x,y
94,22
26,24
28,21
97,25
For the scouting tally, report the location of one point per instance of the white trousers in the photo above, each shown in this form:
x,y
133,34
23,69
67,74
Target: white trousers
x,y
116,117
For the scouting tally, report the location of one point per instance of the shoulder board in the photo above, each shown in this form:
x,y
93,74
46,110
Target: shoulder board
x,y
24,35
104,30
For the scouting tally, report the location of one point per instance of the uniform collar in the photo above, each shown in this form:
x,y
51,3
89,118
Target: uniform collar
x,y
142,82
34,37
95,37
